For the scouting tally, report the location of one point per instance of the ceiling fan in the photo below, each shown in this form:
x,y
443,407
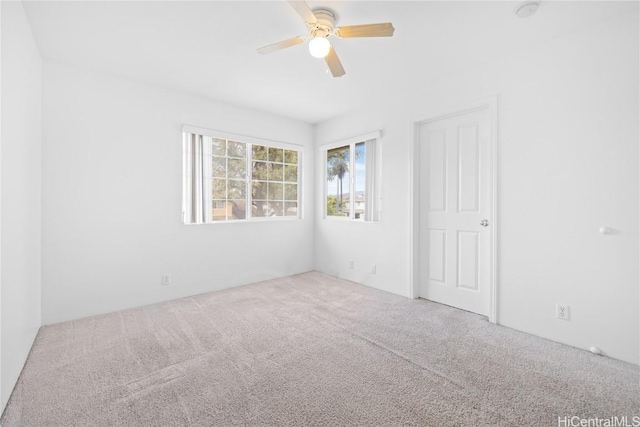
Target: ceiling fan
x,y
321,24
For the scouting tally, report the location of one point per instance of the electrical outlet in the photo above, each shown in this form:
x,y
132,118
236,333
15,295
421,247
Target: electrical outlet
x,y
166,280
351,264
562,311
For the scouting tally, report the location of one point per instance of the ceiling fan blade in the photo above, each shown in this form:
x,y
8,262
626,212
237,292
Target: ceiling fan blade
x,y
304,10
369,30
334,63
281,45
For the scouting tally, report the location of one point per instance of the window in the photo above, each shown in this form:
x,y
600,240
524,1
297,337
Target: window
x,y
238,178
274,181
351,172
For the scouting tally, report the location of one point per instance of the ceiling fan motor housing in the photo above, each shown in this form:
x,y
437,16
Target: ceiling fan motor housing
x,y
326,23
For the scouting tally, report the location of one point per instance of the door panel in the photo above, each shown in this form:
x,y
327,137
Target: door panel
x,y
437,260
468,258
455,196
437,170
469,169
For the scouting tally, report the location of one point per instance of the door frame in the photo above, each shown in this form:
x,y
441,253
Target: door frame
x,y
490,103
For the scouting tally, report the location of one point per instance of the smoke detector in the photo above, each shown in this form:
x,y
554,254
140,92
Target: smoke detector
x,y
526,9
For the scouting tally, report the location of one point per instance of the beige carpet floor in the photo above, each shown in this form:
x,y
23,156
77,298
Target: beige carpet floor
x,y
309,350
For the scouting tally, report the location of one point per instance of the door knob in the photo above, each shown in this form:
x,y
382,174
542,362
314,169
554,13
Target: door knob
x,y
484,222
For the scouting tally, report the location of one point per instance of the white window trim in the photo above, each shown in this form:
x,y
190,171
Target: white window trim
x,y
242,138
210,133
351,142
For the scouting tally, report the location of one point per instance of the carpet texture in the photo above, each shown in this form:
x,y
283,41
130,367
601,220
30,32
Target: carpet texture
x,y
309,350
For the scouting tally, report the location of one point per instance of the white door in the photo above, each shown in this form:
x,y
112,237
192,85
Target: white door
x,y
455,208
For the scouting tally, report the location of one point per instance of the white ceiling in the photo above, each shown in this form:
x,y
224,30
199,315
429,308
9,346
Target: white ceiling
x,y
209,47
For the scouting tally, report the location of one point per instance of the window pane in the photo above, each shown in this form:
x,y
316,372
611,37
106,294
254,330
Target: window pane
x,y
276,154
219,189
238,209
291,156
219,168
291,208
219,147
360,175
290,173
259,170
338,179
237,189
291,191
259,152
275,191
237,149
259,191
237,168
219,211
275,172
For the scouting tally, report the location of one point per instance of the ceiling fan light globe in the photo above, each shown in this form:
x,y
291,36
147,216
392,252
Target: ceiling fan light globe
x,y
319,47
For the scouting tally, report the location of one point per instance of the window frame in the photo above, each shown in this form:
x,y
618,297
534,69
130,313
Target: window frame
x,y
351,143
250,141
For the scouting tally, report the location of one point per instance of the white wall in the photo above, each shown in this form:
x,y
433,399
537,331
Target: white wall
x,y
20,150
568,164
112,182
